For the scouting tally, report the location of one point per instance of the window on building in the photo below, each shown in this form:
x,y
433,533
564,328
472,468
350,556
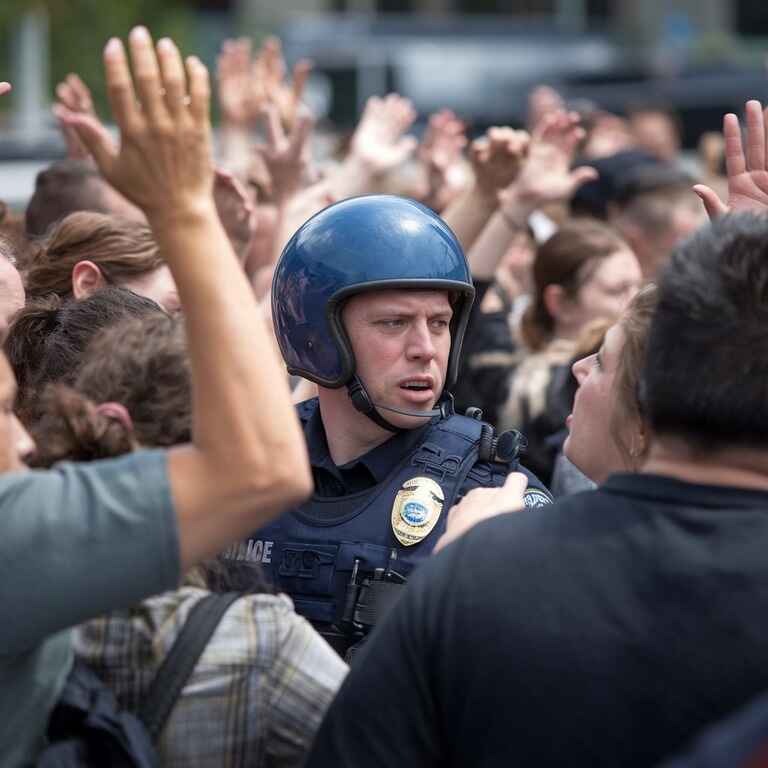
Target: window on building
x,y
750,18
508,7
395,6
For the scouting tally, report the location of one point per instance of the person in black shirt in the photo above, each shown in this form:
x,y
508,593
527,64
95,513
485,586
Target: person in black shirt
x,y
610,628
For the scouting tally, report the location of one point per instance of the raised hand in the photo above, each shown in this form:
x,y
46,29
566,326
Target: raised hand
x,y
4,88
286,157
379,141
441,154
235,87
546,176
747,172
74,98
482,504
497,158
247,83
270,73
236,211
164,163
443,142
75,95
543,100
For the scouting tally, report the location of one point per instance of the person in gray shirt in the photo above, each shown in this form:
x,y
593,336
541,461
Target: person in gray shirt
x,y
79,540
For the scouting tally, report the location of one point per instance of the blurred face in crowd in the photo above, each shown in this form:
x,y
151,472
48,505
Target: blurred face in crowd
x,y
685,219
157,285
515,266
15,442
11,294
401,340
605,293
113,202
590,445
656,132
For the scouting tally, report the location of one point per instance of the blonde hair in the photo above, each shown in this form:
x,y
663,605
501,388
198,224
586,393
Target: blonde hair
x,y
635,324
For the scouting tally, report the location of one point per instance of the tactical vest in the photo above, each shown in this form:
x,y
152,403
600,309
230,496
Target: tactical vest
x,y
323,552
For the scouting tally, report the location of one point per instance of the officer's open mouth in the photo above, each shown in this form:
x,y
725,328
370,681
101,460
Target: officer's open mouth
x,y
416,386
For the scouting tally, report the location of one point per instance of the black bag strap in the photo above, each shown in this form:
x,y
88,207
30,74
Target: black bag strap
x,y
181,660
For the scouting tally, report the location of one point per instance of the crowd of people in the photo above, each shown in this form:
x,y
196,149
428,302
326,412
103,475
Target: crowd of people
x,y
465,439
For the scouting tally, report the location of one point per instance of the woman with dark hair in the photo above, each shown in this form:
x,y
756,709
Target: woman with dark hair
x,y
86,251
266,677
585,271
48,336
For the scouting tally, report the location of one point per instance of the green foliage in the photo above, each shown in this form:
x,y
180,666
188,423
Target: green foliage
x,y
80,28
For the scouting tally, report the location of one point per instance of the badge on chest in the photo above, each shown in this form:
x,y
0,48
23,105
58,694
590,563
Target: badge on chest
x,y
416,510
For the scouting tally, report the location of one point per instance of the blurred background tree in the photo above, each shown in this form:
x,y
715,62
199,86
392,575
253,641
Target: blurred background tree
x,y
78,30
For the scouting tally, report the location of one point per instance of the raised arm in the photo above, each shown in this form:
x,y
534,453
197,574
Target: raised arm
x,y
747,171
247,461
546,177
496,161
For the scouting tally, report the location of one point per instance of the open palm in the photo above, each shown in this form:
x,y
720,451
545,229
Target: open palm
x,y
747,170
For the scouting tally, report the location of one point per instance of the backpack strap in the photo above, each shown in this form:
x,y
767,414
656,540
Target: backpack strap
x,y
181,660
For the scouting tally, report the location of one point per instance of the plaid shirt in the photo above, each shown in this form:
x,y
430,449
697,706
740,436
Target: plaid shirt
x,y
257,694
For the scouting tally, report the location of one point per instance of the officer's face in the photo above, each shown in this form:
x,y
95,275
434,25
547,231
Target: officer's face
x,y
401,340
15,442
590,444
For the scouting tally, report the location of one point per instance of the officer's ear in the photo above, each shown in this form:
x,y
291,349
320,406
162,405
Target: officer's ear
x,y
87,278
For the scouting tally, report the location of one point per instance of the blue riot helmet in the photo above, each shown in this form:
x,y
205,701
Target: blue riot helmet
x,y
367,243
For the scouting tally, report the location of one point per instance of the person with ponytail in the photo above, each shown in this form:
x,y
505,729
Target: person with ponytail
x,y
266,677
48,336
585,271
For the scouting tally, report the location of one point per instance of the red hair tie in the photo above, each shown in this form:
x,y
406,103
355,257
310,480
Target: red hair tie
x,y
117,412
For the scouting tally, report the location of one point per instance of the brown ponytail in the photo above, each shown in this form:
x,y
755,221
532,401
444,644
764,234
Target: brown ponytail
x,y
120,248
72,429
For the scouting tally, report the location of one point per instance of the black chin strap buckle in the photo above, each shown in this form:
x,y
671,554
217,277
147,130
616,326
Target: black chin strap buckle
x,y
446,405
362,402
359,396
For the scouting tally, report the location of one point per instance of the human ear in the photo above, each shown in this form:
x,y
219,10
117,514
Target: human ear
x,y
87,278
555,300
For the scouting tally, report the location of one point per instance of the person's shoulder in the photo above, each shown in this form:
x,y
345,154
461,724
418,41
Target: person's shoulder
x,y
547,526
492,474
139,466
289,646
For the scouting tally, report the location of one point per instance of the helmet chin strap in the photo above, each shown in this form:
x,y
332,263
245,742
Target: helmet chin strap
x,y
363,403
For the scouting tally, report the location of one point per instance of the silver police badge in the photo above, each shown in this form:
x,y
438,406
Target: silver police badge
x,y
416,510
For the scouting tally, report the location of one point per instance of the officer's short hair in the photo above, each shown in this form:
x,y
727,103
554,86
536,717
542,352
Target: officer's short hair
x,y
706,371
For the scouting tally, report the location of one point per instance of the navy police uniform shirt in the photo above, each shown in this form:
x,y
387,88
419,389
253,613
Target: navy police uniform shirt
x,y
374,467
379,514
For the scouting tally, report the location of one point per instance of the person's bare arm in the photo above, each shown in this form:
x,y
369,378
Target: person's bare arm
x,y
496,164
747,171
379,145
545,177
247,460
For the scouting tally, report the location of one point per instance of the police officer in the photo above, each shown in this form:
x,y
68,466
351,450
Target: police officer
x,y
370,300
